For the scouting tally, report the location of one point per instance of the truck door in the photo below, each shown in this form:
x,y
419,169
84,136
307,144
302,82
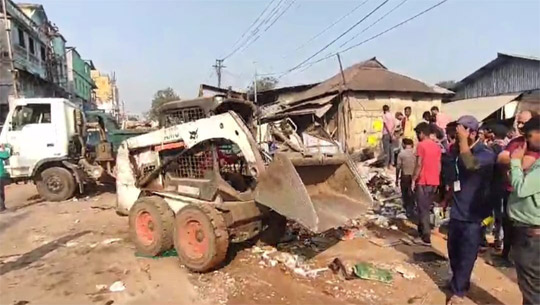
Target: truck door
x,y
32,137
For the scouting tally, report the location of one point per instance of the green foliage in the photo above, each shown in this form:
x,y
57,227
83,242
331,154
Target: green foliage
x,y
263,84
160,97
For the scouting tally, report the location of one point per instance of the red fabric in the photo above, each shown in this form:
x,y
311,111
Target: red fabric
x,y
513,145
430,153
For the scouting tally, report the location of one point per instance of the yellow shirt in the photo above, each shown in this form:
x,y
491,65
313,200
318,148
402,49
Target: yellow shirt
x,y
408,130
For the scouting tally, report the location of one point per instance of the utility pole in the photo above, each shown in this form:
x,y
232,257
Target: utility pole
x,y
219,66
341,69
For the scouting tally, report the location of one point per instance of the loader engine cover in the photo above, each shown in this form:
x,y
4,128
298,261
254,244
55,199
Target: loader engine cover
x,y
319,192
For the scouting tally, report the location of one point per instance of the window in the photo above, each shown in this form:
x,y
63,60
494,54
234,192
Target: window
x,y
31,114
31,46
22,42
42,52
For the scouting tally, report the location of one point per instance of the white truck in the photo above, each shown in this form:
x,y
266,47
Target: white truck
x,y
48,146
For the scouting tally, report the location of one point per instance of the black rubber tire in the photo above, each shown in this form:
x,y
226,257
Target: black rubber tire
x,y
56,184
162,223
276,226
215,230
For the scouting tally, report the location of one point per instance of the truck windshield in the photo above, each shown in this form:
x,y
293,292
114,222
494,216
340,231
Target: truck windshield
x,y
31,114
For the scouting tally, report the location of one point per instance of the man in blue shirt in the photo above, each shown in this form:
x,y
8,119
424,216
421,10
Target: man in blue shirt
x,y
474,168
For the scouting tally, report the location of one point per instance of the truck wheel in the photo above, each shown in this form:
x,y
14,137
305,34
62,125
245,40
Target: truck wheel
x,y
56,184
151,225
200,237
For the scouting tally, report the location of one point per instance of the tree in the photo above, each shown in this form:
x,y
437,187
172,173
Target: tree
x,y
447,84
263,84
162,96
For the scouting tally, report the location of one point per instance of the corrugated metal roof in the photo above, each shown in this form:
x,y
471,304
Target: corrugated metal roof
x,y
318,107
501,59
369,75
480,107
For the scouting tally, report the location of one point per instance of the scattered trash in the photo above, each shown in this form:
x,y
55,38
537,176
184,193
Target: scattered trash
x,y
367,271
407,241
110,241
309,273
70,244
394,227
386,242
350,234
109,302
101,287
77,221
405,273
338,267
117,286
21,302
167,253
74,199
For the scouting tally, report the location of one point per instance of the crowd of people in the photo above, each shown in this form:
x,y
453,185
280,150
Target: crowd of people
x,y
477,172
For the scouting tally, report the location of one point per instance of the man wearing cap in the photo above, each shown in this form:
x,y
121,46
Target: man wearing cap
x,y
524,212
474,168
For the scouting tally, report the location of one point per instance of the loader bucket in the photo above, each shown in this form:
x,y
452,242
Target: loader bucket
x,y
318,192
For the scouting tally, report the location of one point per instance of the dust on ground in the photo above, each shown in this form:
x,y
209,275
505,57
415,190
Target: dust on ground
x,y
73,251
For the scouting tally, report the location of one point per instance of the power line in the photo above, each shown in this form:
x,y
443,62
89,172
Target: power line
x,y
374,23
371,38
341,35
269,26
248,29
331,25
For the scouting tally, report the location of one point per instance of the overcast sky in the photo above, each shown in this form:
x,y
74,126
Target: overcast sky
x,y
155,44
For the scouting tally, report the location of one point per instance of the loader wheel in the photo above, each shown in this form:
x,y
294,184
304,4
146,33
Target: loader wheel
x,y
200,237
276,226
56,184
151,224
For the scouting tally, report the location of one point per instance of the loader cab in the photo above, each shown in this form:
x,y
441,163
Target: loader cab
x,y
37,129
183,111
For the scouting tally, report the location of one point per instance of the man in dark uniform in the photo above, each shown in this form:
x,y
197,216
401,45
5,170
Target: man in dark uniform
x,y
474,168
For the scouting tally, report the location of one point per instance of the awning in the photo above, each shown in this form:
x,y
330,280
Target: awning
x,y
480,108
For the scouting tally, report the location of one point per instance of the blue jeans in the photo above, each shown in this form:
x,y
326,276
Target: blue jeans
x,y
463,243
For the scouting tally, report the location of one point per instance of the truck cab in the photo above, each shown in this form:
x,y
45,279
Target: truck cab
x,y
38,130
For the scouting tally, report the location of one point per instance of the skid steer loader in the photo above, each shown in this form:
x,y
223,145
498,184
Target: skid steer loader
x,y
200,185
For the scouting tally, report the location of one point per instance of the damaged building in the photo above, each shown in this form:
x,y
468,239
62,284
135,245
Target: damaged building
x,y
348,106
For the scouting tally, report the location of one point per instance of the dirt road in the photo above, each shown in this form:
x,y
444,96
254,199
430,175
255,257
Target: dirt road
x,y
71,252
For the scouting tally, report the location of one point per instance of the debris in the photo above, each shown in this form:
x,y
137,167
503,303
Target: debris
x,y
394,227
309,273
405,273
168,253
101,287
337,266
350,234
117,286
21,302
70,244
387,242
407,241
367,271
110,241
109,302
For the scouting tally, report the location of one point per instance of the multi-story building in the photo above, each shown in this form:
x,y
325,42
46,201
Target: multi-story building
x,y
106,92
31,55
80,81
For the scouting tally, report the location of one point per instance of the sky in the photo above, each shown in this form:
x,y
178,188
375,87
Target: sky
x,y
151,45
